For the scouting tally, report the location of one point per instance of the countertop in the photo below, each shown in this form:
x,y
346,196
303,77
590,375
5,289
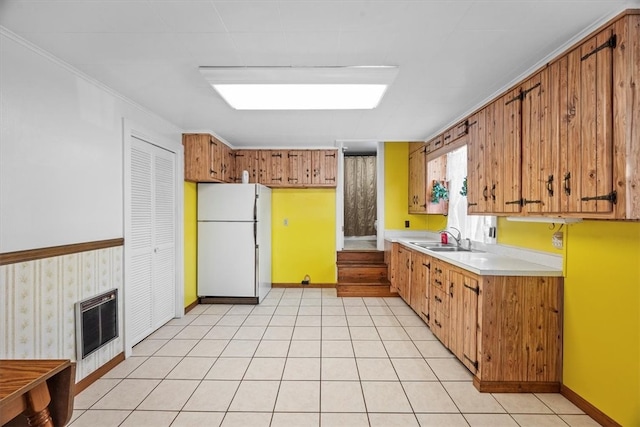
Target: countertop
x,y
485,262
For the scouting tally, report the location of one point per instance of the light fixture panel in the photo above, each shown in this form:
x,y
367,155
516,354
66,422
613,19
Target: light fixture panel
x,y
301,88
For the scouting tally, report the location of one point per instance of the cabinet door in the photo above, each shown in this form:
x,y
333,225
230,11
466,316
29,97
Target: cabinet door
x,y
418,181
216,166
417,284
588,171
470,291
275,162
324,166
456,313
404,273
247,160
436,172
197,157
506,154
477,188
298,167
228,164
391,259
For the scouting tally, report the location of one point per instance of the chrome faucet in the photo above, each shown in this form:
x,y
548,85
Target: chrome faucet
x,y
457,239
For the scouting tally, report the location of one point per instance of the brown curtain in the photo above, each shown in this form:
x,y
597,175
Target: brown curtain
x,y
359,195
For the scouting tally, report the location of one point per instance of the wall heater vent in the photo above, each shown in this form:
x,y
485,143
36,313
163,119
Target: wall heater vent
x,y
96,322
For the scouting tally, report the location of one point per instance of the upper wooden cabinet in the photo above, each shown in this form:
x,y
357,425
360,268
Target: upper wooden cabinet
x,y
209,160
247,160
417,202
205,158
565,141
299,167
324,167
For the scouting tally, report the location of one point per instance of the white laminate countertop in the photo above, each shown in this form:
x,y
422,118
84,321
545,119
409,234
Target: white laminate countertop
x,y
485,263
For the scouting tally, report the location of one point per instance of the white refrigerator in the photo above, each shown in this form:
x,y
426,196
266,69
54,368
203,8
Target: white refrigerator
x,y
234,242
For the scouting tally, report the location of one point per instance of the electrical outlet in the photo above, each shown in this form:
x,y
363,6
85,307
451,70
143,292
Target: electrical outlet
x,y
406,224
557,240
286,222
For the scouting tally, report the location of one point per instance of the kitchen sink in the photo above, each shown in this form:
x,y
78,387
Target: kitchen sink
x,y
442,247
447,249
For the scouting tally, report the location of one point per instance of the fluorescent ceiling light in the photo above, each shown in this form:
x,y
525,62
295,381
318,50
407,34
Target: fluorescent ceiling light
x,y
546,219
305,88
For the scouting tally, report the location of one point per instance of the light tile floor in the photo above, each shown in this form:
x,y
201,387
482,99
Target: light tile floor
x,y
304,358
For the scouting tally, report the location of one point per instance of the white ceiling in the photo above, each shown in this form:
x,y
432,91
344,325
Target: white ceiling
x,y
452,55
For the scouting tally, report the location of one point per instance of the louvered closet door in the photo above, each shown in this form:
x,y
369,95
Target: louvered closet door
x,y
151,291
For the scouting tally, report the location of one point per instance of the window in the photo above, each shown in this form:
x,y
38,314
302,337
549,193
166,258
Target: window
x,y
474,227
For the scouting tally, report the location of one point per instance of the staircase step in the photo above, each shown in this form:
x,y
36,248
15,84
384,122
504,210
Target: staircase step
x,y
360,257
361,272
365,290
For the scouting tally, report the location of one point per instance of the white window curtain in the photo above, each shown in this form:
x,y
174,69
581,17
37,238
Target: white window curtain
x,y
474,227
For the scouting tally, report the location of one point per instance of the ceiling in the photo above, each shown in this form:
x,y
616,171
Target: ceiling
x,y
453,55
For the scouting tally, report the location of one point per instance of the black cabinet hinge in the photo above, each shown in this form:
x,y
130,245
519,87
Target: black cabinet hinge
x,y
523,94
612,197
474,290
612,42
289,155
276,155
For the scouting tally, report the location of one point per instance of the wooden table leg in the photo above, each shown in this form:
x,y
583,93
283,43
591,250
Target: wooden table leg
x,y
38,400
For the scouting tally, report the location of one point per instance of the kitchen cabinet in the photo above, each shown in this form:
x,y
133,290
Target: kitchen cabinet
x,y
247,160
419,294
477,186
418,179
228,164
403,282
324,167
439,302
463,316
298,168
578,147
507,330
587,176
391,259
203,158
275,168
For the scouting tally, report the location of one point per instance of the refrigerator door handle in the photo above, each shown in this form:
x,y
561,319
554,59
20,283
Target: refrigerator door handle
x,y
255,208
255,234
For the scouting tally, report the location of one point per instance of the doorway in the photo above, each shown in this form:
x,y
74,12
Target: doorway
x,y
360,201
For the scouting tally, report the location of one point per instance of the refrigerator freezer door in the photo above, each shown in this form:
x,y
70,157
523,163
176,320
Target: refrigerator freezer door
x,y
264,242
226,259
226,202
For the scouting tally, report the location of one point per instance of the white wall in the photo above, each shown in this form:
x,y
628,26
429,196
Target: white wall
x,y
61,151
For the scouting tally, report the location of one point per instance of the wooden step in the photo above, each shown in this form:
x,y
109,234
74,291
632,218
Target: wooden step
x,y
353,272
360,257
380,289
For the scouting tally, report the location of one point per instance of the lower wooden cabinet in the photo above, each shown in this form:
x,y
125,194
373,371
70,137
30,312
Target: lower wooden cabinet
x,y
507,330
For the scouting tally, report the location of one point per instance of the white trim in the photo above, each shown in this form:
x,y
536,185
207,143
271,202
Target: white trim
x,y
380,191
130,130
340,200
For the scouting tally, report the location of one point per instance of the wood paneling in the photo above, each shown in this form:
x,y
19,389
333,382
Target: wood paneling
x,y
41,253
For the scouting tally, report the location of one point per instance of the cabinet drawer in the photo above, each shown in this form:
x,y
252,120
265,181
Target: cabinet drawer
x,y
439,301
449,136
435,143
437,276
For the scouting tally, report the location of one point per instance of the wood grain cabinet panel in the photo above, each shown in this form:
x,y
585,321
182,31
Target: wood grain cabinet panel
x,y
324,167
298,168
275,165
247,160
403,282
417,202
205,158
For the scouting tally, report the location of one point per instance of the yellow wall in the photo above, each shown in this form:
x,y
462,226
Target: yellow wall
x,y
190,242
307,244
601,310
396,192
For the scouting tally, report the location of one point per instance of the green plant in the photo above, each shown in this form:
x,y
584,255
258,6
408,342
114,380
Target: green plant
x,y
463,192
439,192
